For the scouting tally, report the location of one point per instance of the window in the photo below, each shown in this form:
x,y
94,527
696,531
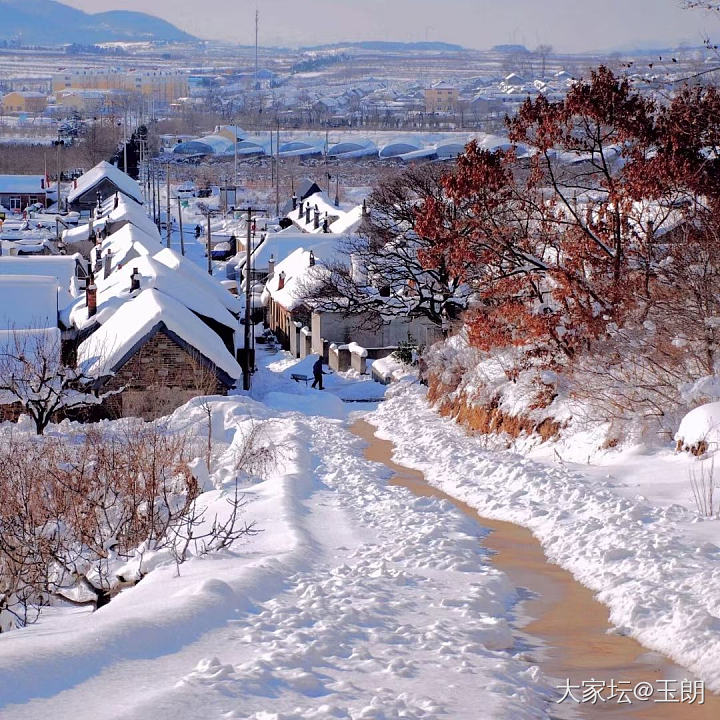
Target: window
x,y
15,203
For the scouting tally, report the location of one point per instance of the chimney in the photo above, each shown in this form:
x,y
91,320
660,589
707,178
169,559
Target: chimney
x,y
107,264
325,223
281,280
271,266
91,296
312,258
117,201
134,280
301,211
364,208
316,218
307,213
294,201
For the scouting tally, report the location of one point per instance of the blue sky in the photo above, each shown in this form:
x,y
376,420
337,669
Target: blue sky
x,y
568,25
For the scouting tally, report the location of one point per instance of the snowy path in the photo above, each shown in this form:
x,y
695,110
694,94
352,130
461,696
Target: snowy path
x,y
661,584
358,601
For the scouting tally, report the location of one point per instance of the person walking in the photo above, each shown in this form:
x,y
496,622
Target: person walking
x,y
318,373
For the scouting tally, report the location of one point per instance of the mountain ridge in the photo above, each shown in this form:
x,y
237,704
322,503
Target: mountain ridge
x,y
50,22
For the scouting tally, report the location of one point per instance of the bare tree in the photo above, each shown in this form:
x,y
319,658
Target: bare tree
x,y
72,512
382,274
34,374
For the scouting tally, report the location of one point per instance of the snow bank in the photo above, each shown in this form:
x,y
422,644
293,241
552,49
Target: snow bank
x,y
661,586
700,428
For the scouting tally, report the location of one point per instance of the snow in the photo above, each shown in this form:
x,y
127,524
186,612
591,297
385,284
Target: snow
x,y
129,211
28,301
102,352
101,171
22,184
342,221
81,233
358,600
390,368
62,267
625,528
701,425
298,271
127,244
191,273
116,289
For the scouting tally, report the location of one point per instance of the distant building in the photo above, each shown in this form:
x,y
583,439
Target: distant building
x,y
24,102
91,101
163,86
441,98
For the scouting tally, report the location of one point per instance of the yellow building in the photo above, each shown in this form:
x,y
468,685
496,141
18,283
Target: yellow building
x,y
441,98
24,102
162,85
93,101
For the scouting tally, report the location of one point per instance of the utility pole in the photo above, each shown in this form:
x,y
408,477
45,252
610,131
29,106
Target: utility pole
x,y
151,181
182,239
236,158
209,246
58,144
168,219
159,206
248,309
277,171
327,174
125,142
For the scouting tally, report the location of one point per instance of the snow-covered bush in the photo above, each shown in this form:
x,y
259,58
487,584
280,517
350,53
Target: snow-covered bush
x,y
78,510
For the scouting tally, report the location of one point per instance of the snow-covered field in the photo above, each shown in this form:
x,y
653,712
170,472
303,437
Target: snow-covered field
x,y
625,526
357,600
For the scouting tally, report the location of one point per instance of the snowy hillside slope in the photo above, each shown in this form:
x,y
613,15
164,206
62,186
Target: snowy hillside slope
x,y
357,600
625,528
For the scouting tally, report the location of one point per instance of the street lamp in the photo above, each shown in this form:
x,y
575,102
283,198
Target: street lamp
x,y
58,144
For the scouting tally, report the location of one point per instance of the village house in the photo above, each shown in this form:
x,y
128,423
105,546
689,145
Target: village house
x,y
100,183
156,354
19,191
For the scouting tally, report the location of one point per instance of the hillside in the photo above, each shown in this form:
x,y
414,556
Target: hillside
x,y
46,22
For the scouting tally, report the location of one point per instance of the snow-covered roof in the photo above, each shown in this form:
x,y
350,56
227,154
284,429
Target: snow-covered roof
x,y
115,342
298,271
28,301
114,291
341,221
104,170
81,233
129,211
127,243
62,267
23,184
193,274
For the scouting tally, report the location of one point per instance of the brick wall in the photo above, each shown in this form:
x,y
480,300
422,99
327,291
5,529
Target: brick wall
x,y
160,377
